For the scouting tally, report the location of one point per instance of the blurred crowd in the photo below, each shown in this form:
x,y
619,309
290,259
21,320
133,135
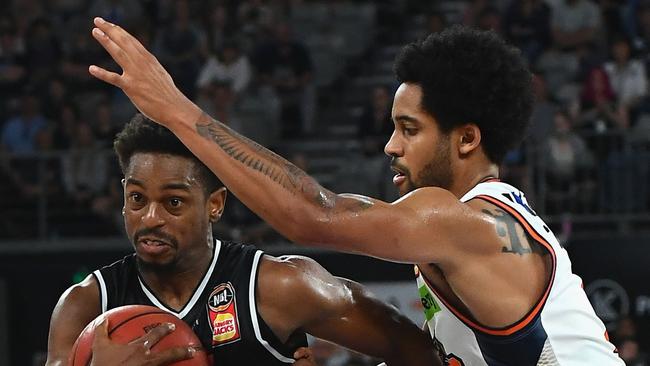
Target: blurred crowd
x,y
245,63
237,59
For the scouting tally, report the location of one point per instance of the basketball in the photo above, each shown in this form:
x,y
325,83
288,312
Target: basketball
x,y
127,323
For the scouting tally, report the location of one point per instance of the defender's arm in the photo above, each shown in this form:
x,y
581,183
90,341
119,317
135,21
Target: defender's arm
x,y
421,227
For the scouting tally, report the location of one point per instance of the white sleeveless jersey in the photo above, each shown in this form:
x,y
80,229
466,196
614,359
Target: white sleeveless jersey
x,y
561,329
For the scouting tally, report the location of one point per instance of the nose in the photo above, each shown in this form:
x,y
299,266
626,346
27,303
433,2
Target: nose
x,y
393,146
153,216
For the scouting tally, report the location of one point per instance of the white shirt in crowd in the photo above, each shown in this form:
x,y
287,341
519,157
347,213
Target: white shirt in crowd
x,y
237,73
629,81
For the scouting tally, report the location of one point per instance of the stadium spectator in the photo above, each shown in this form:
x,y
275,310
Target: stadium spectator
x,y
181,48
574,23
544,109
600,110
43,51
104,128
490,19
375,125
119,11
285,63
230,66
628,79
569,165
85,167
527,25
13,70
19,133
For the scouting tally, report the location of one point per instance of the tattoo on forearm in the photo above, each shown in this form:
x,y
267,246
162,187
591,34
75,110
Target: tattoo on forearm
x,y
276,168
244,151
506,227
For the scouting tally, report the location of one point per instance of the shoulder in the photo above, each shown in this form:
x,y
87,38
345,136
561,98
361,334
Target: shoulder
x,y
290,277
425,195
117,268
82,298
289,271
77,307
430,201
85,291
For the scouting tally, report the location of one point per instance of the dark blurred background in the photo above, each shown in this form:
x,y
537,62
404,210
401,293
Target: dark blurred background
x,y
312,80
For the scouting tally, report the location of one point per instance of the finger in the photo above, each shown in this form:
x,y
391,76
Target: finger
x,y
302,352
106,76
117,53
172,355
101,333
156,334
117,34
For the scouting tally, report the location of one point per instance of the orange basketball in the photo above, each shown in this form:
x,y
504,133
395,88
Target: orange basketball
x,y
127,323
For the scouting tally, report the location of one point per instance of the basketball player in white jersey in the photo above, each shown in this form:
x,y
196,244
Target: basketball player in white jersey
x,y
496,285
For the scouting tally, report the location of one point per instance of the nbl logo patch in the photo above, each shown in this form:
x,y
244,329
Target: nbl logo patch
x,y
222,311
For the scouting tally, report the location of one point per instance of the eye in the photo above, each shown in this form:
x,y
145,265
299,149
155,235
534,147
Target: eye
x,y
135,197
410,131
175,202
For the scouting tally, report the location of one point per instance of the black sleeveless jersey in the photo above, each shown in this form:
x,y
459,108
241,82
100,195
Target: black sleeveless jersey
x,y
222,311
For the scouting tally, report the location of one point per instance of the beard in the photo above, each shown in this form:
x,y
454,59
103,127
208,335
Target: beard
x,y
437,172
162,268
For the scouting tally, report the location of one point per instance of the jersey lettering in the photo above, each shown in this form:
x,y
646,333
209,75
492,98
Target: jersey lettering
x,y
429,304
520,199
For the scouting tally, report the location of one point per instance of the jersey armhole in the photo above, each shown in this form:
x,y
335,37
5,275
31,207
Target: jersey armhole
x,y
254,315
539,305
534,312
103,294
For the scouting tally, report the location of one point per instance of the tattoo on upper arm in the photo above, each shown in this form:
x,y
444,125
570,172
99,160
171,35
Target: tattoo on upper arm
x,y
275,167
506,227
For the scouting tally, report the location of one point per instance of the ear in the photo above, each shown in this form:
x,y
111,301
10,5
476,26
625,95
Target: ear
x,y
216,204
469,138
123,181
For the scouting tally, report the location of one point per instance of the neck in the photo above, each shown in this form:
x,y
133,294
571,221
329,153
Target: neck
x,y
469,179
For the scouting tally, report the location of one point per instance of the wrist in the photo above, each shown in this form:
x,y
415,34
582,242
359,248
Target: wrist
x,y
184,115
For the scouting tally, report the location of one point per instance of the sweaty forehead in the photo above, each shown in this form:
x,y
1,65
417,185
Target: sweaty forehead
x,y
159,169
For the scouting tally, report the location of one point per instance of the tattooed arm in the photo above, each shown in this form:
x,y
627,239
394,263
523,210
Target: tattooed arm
x,y
424,226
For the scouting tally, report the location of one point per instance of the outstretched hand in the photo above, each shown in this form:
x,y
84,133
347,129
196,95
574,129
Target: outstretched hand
x,y
144,80
138,352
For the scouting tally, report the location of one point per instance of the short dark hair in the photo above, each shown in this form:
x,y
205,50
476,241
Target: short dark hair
x,y
142,135
471,76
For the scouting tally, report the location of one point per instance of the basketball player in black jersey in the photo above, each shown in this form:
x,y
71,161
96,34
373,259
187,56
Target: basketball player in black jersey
x,y
247,308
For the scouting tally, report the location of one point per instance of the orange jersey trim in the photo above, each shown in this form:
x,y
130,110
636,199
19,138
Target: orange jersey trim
x,y
528,318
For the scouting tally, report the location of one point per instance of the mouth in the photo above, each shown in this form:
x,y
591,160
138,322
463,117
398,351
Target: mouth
x,y
152,245
400,176
149,240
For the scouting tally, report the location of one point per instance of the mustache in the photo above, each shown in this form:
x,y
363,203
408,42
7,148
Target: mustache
x,y
394,164
157,233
